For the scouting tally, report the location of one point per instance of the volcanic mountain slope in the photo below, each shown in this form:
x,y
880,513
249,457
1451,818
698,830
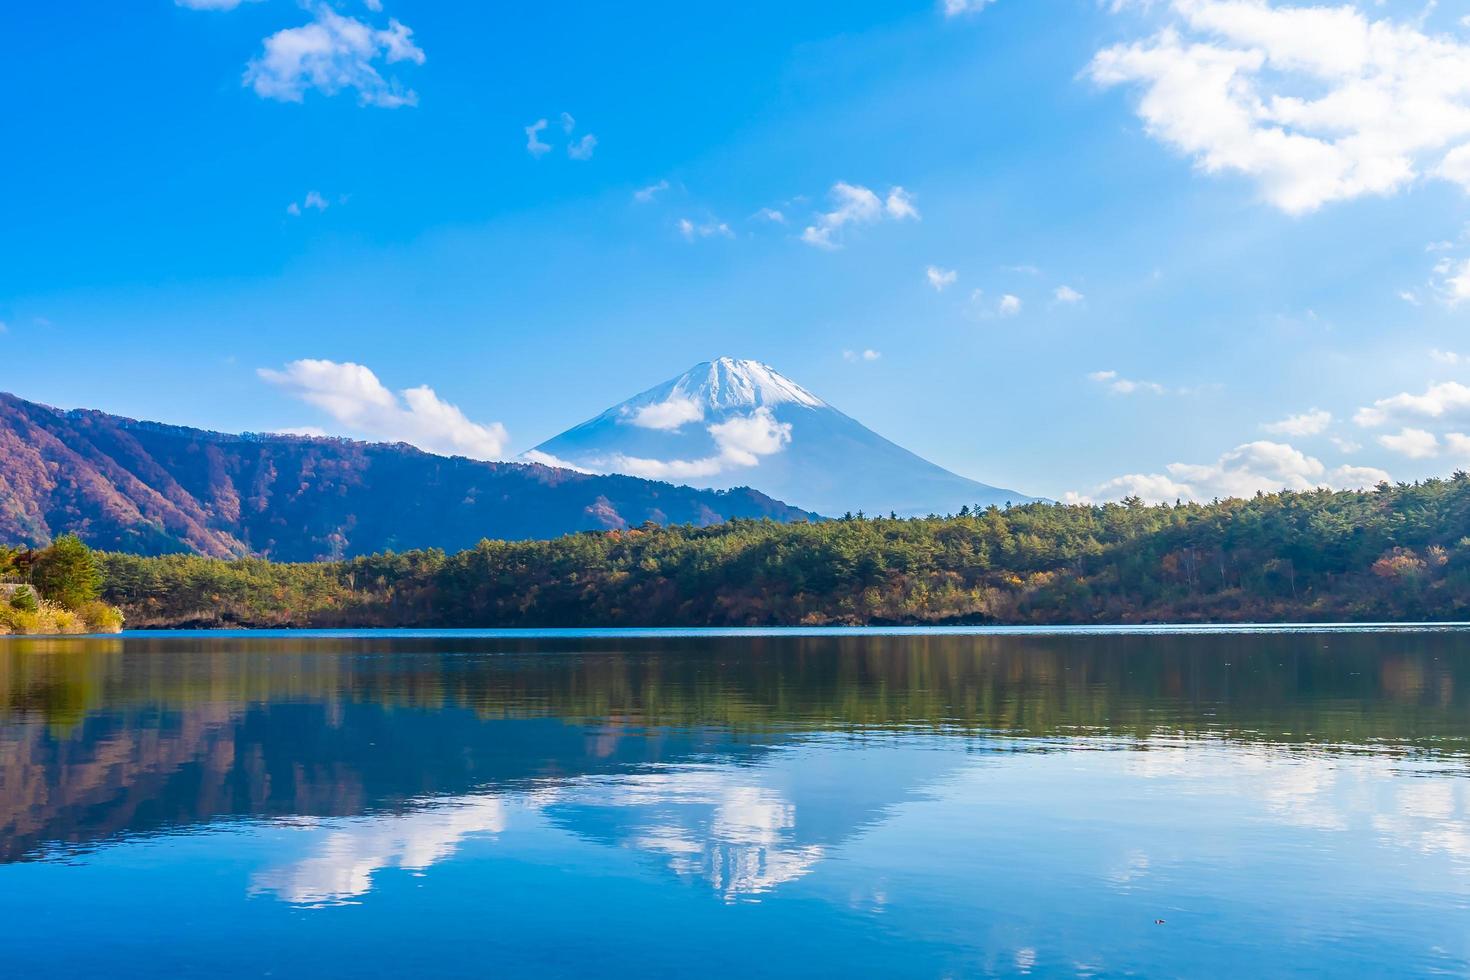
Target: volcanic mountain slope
x,y
728,422
150,488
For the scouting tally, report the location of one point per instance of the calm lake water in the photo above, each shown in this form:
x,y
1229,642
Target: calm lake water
x,y
855,804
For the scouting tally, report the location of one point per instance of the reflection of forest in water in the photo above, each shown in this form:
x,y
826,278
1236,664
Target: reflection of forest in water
x,y
112,737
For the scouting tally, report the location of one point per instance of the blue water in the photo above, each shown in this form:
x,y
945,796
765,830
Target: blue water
x,y
822,803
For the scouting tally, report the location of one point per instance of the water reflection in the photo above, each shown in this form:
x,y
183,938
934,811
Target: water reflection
x,y
950,793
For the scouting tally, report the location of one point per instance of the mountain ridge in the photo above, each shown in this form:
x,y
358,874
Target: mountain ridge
x,y
156,488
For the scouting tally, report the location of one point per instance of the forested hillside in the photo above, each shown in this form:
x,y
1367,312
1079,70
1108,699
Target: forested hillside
x,y
1399,552
155,489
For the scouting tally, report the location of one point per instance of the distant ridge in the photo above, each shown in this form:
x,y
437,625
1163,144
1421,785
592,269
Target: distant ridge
x,y
154,488
731,422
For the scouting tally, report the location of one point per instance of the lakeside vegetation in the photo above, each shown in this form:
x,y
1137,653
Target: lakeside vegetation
x,y
54,590
1395,553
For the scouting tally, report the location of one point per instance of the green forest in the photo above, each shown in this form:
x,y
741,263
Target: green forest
x,y
1399,552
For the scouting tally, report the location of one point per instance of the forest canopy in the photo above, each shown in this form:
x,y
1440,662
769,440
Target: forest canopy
x,y
1399,552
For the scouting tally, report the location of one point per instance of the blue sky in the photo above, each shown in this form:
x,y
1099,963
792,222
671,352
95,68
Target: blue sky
x,y
1232,232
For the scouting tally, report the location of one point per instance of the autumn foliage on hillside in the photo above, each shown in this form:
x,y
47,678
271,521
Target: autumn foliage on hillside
x,y
1395,553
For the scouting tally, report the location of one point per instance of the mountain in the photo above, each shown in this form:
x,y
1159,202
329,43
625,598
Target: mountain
x,y
728,422
150,488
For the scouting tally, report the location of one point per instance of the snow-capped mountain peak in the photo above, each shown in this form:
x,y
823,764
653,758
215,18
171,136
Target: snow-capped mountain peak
x,y
731,422
732,383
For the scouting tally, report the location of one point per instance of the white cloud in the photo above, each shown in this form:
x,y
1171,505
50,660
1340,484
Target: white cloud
x,y
376,6
1448,400
1009,305
1241,472
1457,446
940,278
1413,443
954,8
1066,294
582,148
864,355
1126,386
209,4
1410,297
1345,445
333,54
312,201
1314,103
1453,280
854,204
709,229
668,415
534,146
772,215
740,441
1311,423
645,195
568,123
353,396
1448,357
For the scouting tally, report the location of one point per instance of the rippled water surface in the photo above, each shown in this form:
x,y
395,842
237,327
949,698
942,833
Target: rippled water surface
x,y
911,804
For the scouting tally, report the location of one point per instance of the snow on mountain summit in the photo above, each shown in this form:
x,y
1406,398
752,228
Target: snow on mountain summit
x,y
732,422
728,382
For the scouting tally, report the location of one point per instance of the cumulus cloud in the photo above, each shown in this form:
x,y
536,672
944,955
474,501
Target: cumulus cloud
x,y
940,278
854,204
1255,466
1452,280
1126,386
668,415
1066,294
1449,401
1413,443
1315,104
645,195
1309,423
534,145
862,355
353,396
1448,357
333,54
740,441
1009,305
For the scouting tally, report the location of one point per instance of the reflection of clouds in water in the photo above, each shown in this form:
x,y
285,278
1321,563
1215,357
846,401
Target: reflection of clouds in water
x,y
1325,793
342,866
1432,817
707,822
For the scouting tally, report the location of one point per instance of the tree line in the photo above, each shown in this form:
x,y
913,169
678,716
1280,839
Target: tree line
x,y
55,589
1398,552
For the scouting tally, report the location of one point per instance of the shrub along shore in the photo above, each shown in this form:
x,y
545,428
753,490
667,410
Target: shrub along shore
x,y
1396,553
54,591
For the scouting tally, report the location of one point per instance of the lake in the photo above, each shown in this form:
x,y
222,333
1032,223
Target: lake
x,y
805,803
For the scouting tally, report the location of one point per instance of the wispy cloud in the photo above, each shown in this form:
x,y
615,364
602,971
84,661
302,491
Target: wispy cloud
x,y
862,355
956,8
1009,305
534,145
645,195
334,54
582,149
940,278
1309,423
1126,386
353,396
312,202
854,204
1067,295
693,231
